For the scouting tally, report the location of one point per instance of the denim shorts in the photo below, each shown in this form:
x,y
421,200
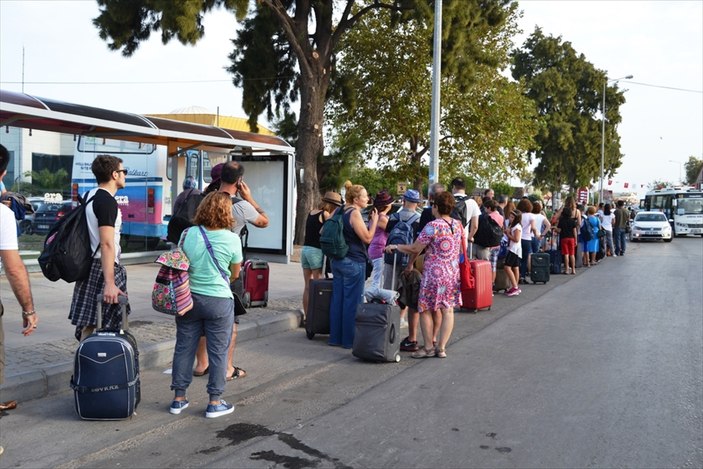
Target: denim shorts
x,y
311,257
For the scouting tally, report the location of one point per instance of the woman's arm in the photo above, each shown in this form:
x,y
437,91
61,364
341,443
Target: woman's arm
x,y
365,234
412,249
234,270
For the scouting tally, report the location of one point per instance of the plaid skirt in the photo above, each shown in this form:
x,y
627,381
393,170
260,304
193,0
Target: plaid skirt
x,y
84,304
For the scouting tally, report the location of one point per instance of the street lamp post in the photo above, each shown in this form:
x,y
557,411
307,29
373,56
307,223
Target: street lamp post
x,y
602,141
680,163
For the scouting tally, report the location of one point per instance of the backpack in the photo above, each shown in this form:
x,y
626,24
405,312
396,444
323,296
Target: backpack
x,y
332,240
489,232
183,218
402,233
67,254
587,233
459,211
171,291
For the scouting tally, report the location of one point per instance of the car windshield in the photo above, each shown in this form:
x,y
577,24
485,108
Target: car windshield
x,y
650,217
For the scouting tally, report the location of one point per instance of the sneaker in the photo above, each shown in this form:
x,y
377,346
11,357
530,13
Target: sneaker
x,y
615,255
512,292
178,406
408,346
214,411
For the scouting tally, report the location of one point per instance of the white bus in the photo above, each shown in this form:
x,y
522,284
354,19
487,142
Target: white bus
x,y
683,206
146,200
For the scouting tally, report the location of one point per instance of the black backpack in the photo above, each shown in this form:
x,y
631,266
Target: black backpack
x,y
183,218
67,254
489,233
459,211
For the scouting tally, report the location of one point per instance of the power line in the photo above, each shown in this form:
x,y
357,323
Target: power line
x,y
662,86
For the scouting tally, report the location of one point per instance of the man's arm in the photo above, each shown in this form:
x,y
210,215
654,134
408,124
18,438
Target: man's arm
x,y
107,261
473,227
262,221
17,276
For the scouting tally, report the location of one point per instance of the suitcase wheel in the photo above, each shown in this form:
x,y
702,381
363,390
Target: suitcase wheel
x,y
311,335
397,358
246,299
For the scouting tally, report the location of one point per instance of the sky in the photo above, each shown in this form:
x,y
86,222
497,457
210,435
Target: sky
x,y
660,43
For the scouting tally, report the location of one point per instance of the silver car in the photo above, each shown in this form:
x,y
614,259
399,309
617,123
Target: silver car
x,y
651,225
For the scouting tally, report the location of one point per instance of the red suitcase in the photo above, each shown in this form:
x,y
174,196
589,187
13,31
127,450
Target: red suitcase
x,y
481,296
256,283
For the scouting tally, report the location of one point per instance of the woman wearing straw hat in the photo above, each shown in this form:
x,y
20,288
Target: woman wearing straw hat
x,y
311,257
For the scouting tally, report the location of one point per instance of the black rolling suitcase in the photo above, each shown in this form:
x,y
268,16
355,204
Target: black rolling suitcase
x,y
319,299
377,330
555,257
541,263
105,379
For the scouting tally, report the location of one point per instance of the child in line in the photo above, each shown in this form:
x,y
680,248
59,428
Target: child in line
x,y
512,259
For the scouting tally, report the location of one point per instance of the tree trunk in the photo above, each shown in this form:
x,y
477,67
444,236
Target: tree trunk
x,y
309,146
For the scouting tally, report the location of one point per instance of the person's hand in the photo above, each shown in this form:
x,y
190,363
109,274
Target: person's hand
x,y
390,248
111,294
29,324
373,216
244,190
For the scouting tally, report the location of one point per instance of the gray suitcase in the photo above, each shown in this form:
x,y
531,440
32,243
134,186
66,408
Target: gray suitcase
x,y
377,332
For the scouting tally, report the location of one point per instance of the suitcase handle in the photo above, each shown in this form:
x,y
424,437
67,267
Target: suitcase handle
x,y
392,333
122,301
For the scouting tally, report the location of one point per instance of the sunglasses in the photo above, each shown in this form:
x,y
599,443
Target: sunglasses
x,y
123,171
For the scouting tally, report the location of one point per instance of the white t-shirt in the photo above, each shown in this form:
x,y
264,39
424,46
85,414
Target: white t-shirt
x,y
607,221
539,221
103,211
8,230
472,210
527,226
515,247
243,212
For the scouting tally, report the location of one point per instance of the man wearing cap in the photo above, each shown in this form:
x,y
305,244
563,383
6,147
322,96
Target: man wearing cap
x,y
407,214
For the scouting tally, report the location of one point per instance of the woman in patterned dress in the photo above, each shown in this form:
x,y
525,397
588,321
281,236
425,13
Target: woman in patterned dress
x,y
440,289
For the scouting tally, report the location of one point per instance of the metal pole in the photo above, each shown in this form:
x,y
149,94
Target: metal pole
x,y
602,141
436,80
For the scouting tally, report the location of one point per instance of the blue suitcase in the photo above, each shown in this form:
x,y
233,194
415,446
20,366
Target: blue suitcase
x,y
105,379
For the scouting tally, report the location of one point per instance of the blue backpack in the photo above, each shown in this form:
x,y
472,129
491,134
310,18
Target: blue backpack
x,y
402,233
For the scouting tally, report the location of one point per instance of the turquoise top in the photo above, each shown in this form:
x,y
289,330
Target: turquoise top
x,y
205,277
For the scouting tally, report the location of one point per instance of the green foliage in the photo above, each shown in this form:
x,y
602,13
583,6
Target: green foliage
x,y
568,92
384,95
46,181
502,188
693,167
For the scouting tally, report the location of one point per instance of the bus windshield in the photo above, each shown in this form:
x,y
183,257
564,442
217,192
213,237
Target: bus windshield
x,y
689,206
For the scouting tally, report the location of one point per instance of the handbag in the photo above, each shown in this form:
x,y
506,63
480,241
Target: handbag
x,y
468,282
239,308
171,291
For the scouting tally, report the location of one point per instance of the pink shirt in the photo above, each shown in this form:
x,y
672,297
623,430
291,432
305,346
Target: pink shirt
x,y
378,243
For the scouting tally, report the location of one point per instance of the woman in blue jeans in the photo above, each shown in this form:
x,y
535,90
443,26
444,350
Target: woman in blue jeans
x,y
349,273
213,304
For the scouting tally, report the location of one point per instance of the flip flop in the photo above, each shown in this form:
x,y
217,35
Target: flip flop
x,y
201,373
9,405
238,373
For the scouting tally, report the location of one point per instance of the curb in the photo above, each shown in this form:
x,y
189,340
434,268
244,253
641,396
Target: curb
x,y
53,379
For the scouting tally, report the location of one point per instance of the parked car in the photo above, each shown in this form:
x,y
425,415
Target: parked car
x,y
650,225
26,225
48,214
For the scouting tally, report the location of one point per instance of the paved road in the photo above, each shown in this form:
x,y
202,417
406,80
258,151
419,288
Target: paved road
x,y
589,371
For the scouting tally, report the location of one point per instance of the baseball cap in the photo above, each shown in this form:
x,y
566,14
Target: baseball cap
x,y
411,195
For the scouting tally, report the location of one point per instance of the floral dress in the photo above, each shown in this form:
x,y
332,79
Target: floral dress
x,y
441,285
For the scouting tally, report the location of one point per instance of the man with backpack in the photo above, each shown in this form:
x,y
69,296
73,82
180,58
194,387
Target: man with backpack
x,y
466,209
107,275
402,229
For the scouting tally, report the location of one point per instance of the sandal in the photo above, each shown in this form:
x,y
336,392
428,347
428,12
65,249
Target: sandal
x,y
237,373
441,353
423,353
202,373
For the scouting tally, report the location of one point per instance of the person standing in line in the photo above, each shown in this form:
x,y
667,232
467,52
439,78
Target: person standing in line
x,y
542,224
607,224
592,244
244,210
16,274
213,305
620,228
189,188
568,234
512,259
311,257
501,202
382,204
407,214
426,216
488,194
529,230
107,274
466,209
489,206
349,273
440,288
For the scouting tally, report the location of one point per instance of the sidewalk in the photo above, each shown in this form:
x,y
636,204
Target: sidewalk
x,y
42,363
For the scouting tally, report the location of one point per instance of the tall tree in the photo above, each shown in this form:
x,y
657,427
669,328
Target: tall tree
x,y
383,95
568,92
303,33
693,168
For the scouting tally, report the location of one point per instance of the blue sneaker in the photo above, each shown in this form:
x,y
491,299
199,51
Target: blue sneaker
x,y
214,411
178,406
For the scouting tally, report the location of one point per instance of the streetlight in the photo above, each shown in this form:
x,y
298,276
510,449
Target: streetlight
x,y
680,163
602,141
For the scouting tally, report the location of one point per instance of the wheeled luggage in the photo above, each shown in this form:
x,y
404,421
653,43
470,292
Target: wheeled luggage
x,y
481,296
377,332
540,266
502,281
555,260
317,320
255,283
105,379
